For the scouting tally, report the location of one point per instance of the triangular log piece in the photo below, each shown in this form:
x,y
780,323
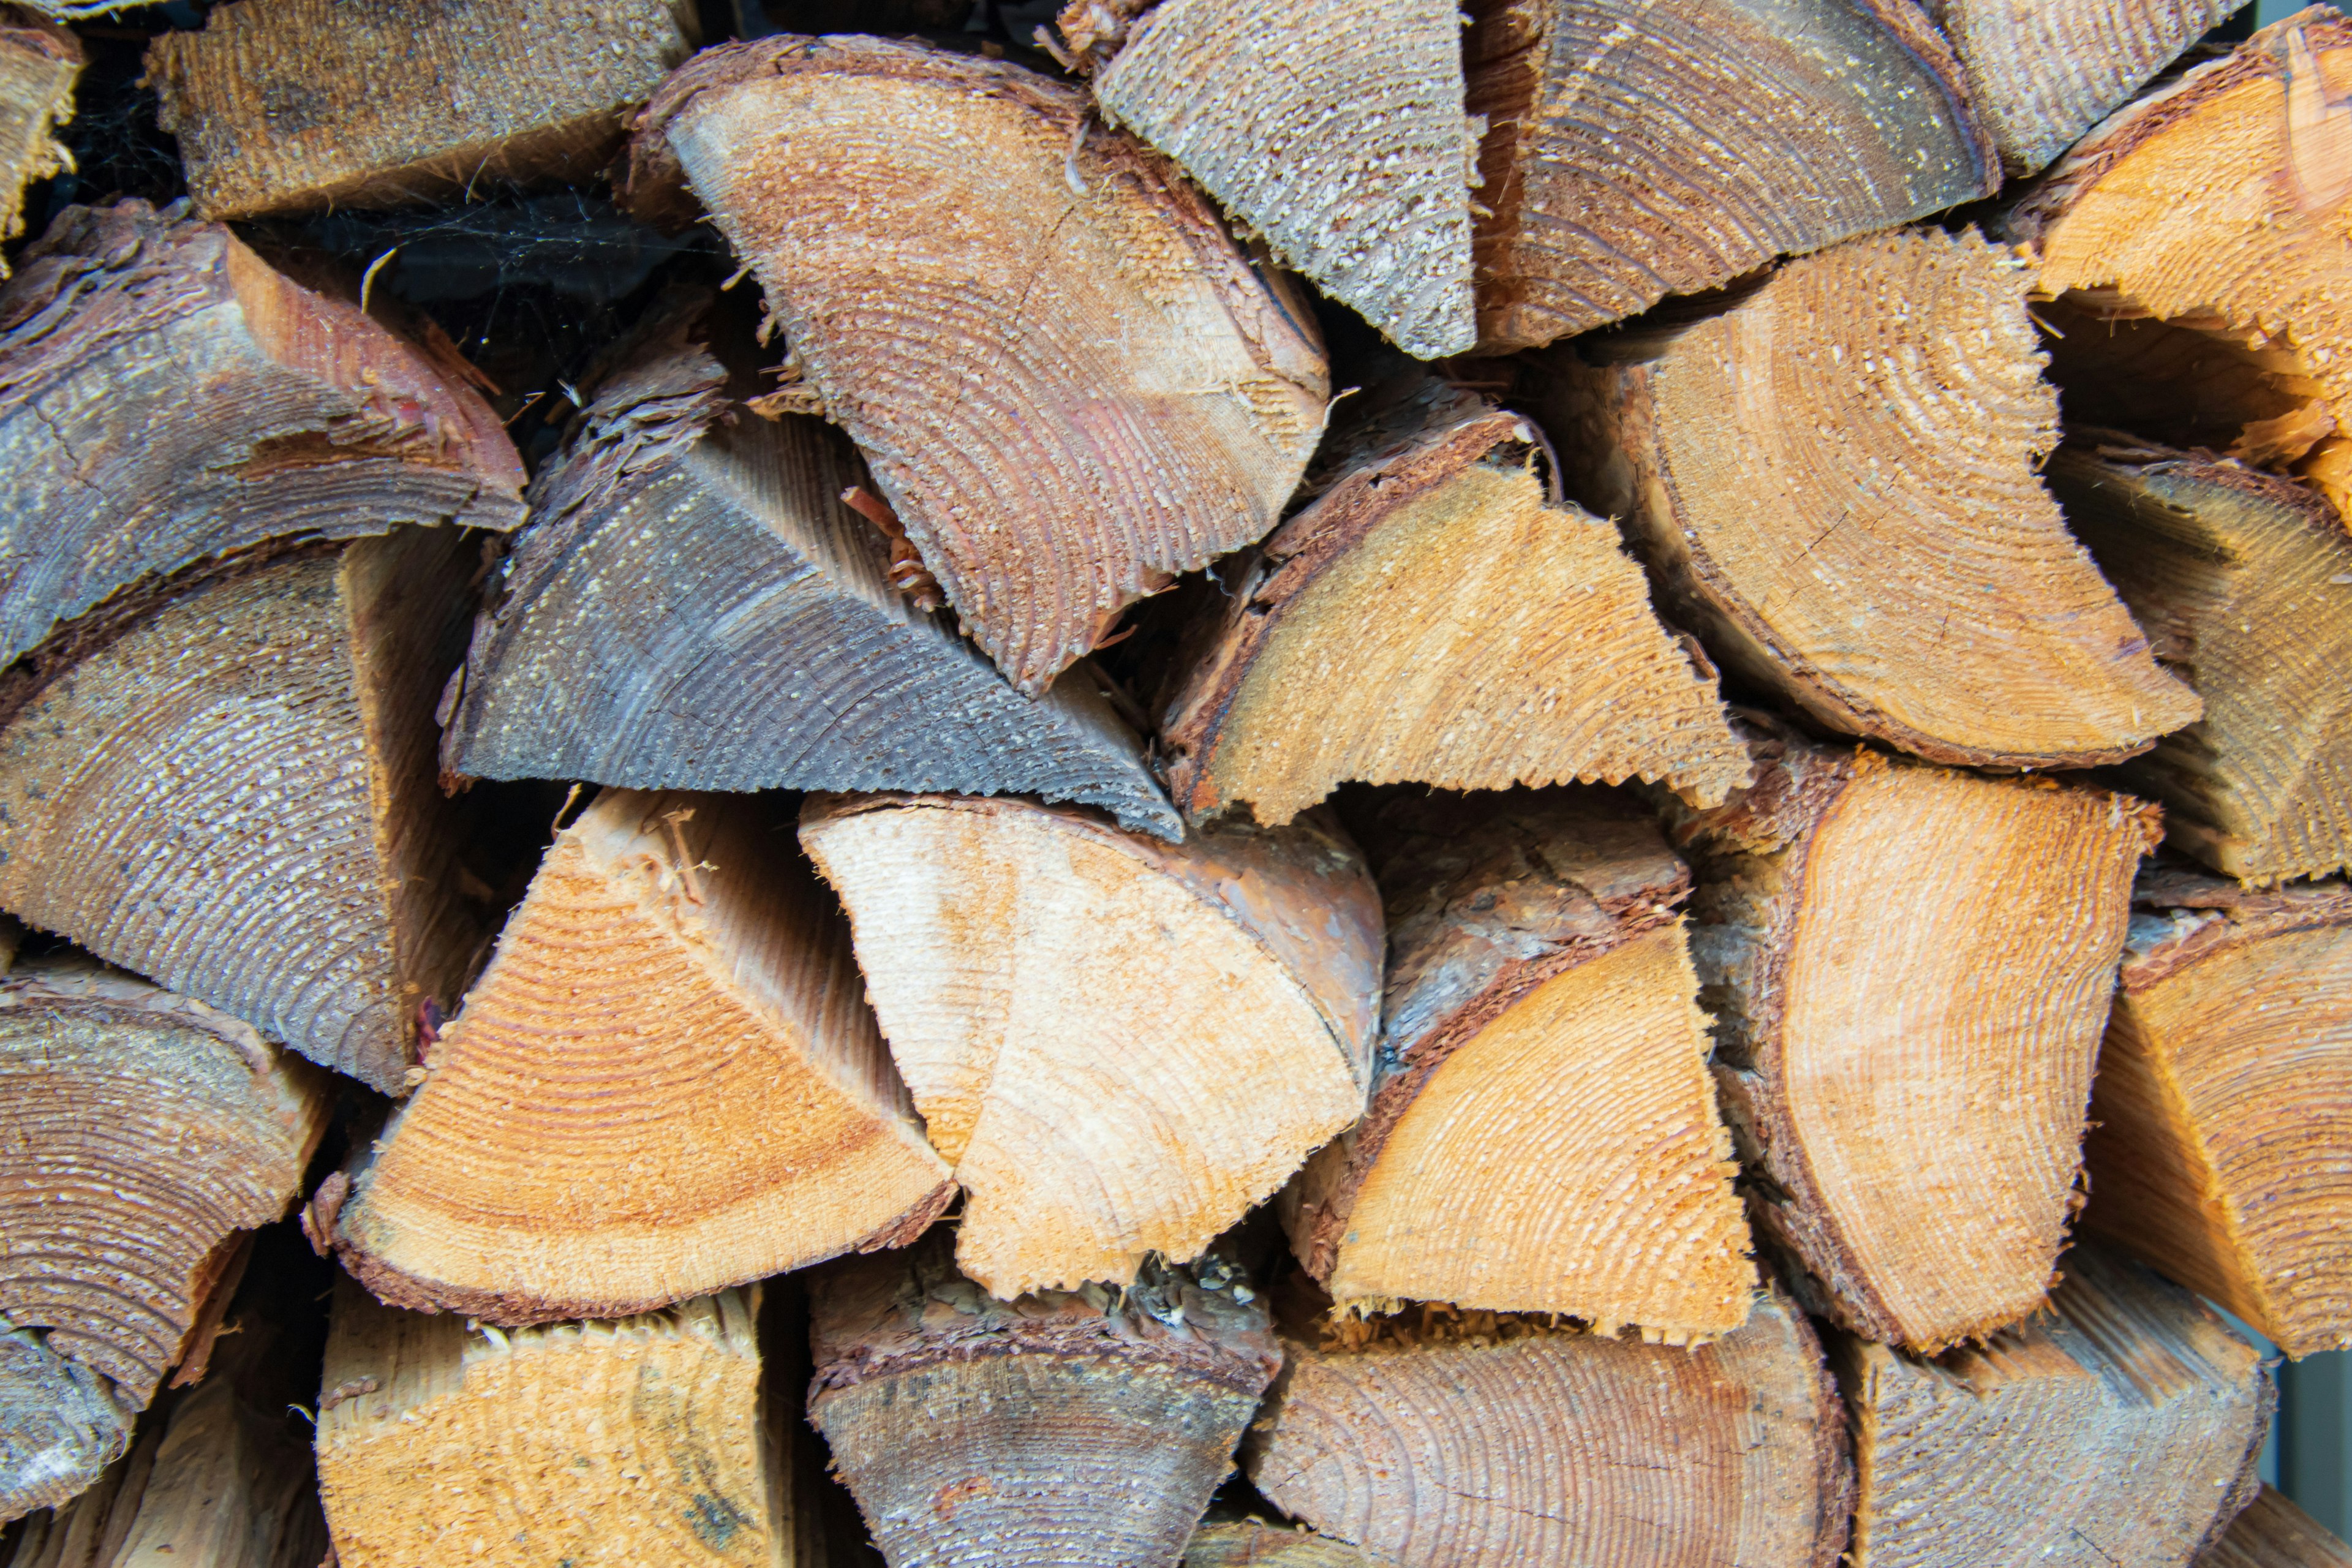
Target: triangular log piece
x,y
2121,1427
1486,1442
165,396
1254,1544
1834,478
2273,1533
2224,1102
1119,1044
2244,583
1084,1430
227,783
762,642
287,106
1909,968
1434,616
60,1424
1070,383
1543,1134
1634,153
39,62
2218,203
611,1444
667,1081
1343,143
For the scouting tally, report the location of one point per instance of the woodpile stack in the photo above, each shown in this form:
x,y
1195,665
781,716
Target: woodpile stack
x,y
1191,782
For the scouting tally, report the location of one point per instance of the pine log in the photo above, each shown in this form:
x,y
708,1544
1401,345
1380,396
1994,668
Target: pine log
x,y
760,642
1338,133
1070,383
1489,1443
39,63
667,1082
1119,1044
1638,151
1074,1429
1909,968
1432,616
2224,1101
227,783
1254,1544
2243,582
1542,1134
87,1529
2275,1533
287,106
2121,1427
608,1444
1834,478
60,1424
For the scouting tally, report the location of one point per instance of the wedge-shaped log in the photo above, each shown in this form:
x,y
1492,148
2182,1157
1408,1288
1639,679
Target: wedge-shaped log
x,y
1086,1430
2121,1427
1889,947
1484,1442
2224,1099
1433,617
667,1081
285,106
2275,1533
1835,480
759,642
227,783
39,62
1543,1134
1119,1044
60,1424
1254,1544
1069,382
1336,132
165,397
2241,580
1638,151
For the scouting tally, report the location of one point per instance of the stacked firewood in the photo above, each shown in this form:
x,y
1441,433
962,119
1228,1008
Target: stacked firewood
x,y
1307,783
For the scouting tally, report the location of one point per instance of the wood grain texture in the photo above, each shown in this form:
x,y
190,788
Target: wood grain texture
x,y
1333,128
1836,478
2275,1533
1069,382
39,63
287,106
166,398
1254,1544
60,1424
1431,617
1120,1044
2124,1425
1909,968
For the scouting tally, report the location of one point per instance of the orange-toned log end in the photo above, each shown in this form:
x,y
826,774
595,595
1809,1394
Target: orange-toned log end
x,y
1489,1443
39,63
1433,617
667,1081
1068,382
2122,1425
2275,1533
1910,968
2224,1097
1120,1044
1547,1139
1836,478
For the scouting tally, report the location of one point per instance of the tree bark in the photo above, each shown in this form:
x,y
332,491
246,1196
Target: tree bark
x,y
39,63
1432,617
1120,1046
1069,382
1835,479
2275,1533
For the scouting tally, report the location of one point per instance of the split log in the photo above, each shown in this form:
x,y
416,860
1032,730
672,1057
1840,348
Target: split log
x,y
2121,1427
1639,151
1889,947
1834,478
2275,1533
39,62
2243,582
227,783
665,1082
1338,135
760,641
1119,1044
1254,1544
87,1529
606,1445
1070,383
287,106
1432,617
166,398
60,1424
1077,1429
2224,1099
1482,1442
1543,1134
